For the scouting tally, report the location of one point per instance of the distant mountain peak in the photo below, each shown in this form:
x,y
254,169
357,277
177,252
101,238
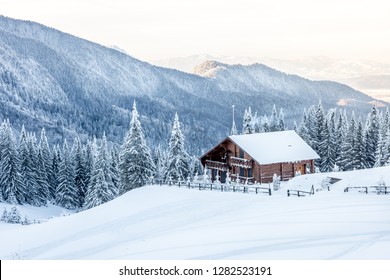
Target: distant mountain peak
x,y
208,68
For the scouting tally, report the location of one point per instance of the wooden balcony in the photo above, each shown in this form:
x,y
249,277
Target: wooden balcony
x,y
240,162
217,165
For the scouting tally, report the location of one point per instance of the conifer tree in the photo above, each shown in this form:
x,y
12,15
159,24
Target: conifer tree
x,y
348,146
136,164
339,136
67,194
311,127
89,161
233,130
326,148
358,148
55,163
303,130
371,138
281,122
178,165
114,167
319,125
274,121
36,193
247,122
46,164
101,188
386,153
42,193
265,124
80,176
12,189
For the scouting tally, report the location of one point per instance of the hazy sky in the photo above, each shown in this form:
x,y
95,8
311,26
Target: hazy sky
x,y
153,29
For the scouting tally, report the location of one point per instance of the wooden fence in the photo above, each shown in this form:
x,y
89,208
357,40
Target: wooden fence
x,y
300,193
254,188
369,189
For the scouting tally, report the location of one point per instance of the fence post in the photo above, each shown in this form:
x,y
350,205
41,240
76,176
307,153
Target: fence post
x,y
288,192
366,190
256,189
269,191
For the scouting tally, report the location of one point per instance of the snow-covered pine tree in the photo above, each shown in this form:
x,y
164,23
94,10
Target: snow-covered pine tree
x,y
89,160
386,152
328,144
303,129
41,191
101,188
30,170
12,189
339,136
114,167
136,164
319,125
358,148
346,157
46,163
326,148
233,130
80,176
55,163
311,127
274,120
281,122
177,164
247,122
371,138
67,193
380,153
256,123
265,124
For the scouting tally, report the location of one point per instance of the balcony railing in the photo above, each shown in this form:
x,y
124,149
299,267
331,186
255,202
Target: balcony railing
x,y
240,162
217,165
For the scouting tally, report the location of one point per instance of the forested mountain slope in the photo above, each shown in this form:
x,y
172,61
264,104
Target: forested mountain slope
x,y
70,85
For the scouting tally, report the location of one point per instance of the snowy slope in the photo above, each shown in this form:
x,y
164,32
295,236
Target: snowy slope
x,y
177,223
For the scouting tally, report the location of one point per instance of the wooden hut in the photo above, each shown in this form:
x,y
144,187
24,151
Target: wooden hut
x,y
257,157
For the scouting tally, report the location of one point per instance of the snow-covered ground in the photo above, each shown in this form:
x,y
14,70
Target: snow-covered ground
x,y
156,222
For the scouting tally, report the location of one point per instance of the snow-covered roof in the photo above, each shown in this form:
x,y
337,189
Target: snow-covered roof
x,y
275,147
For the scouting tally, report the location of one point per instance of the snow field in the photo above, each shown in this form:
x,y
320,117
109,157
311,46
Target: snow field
x,y
156,222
